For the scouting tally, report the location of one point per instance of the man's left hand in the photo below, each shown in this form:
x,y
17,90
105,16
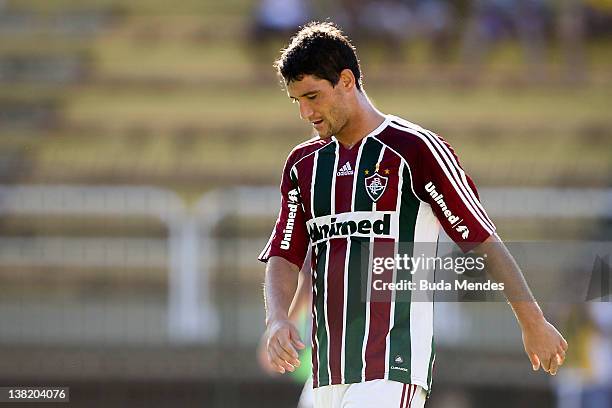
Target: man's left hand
x,y
544,346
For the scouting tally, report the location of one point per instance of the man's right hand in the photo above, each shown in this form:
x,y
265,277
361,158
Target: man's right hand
x,y
282,345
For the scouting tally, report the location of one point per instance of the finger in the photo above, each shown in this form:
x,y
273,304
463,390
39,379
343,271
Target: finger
x,y
564,344
274,365
291,355
296,339
560,359
275,354
287,345
284,358
282,346
276,368
561,355
286,351
535,361
546,362
279,364
554,365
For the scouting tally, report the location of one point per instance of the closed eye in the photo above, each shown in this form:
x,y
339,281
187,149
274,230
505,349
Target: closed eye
x,y
309,95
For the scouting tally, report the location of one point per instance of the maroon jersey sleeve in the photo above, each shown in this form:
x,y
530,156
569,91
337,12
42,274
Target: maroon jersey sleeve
x,y
289,237
451,193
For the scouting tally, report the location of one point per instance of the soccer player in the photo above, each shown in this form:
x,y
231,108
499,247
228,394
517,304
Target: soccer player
x,y
371,178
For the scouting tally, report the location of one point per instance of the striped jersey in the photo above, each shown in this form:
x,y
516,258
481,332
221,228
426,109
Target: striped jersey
x,y
397,186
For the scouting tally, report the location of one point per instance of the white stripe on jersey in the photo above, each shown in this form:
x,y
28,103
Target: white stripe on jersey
x,y
400,183
334,174
312,183
315,317
315,275
328,246
426,231
345,302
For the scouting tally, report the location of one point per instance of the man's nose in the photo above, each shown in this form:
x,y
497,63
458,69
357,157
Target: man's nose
x,y
305,111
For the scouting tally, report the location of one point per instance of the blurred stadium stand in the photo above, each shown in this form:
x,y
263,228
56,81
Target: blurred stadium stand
x,y
112,95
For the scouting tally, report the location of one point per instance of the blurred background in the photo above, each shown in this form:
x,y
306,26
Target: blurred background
x,y
141,143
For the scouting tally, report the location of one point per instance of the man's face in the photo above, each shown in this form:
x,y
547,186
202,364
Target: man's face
x,y
321,104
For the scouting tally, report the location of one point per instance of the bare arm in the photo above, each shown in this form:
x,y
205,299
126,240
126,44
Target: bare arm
x,y
279,288
282,336
300,302
543,344
303,293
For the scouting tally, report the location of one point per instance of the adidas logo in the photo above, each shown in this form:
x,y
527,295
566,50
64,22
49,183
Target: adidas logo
x,y
346,170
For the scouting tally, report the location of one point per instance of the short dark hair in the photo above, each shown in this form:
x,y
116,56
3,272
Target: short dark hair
x,y
319,49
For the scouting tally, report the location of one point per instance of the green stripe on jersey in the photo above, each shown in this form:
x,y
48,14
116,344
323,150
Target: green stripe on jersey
x,y
355,309
322,191
400,353
358,266
322,335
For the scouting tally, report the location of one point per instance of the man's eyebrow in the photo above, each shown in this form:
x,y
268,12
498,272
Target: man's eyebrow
x,y
304,94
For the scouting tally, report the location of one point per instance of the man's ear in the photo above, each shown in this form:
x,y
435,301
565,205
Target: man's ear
x,y
347,79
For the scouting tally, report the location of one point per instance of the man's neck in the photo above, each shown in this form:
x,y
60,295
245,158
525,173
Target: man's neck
x,y
363,122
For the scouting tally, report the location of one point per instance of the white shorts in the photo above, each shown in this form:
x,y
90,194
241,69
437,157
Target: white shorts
x,y
307,397
370,394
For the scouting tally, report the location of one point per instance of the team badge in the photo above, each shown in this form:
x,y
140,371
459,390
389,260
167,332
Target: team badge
x,y
375,185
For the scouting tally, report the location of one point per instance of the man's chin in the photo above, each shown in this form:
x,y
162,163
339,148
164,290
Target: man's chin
x,y
324,135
